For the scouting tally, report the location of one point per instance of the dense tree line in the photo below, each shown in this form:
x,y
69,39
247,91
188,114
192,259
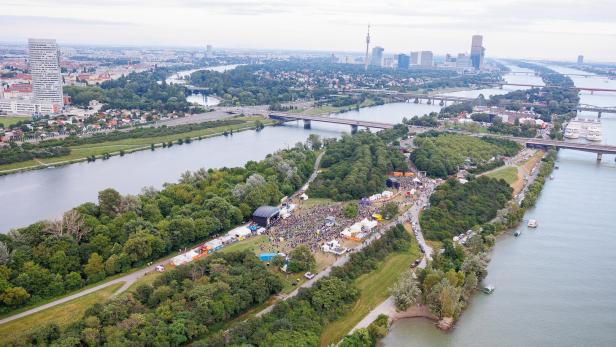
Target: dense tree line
x,y
558,96
300,320
184,303
427,120
243,86
14,153
456,207
142,132
443,154
145,90
532,194
93,241
356,166
60,147
367,337
517,130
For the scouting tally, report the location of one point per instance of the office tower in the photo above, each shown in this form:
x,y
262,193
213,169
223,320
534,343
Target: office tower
x,y
44,61
403,61
580,59
477,51
425,58
208,50
377,56
414,58
367,48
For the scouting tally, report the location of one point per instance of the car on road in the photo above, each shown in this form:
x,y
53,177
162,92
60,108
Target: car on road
x,y
309,275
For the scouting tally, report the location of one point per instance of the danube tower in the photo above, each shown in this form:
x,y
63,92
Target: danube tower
x,y
367,48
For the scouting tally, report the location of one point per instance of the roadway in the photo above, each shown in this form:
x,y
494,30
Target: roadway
x,y
335,120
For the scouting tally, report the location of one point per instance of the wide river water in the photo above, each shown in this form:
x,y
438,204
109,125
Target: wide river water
x,y
43,194
555,285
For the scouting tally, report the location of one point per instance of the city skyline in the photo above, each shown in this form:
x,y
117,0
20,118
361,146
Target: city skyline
x,y
308,26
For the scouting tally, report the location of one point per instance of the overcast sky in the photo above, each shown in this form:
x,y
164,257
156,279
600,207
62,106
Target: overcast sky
x,y
553,29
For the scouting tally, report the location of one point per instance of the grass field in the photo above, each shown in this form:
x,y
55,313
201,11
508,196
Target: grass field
x,y
10,120
373,289
312,202
62,315
509,174
113,147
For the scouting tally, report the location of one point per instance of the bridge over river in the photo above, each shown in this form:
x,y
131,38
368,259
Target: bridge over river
x,y
355,124
599,149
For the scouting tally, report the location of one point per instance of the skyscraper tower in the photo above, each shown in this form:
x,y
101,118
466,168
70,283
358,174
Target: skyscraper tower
x,y
367,48
477,52
44,61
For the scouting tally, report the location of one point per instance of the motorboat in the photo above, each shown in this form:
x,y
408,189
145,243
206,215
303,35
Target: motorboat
x,y
489,289
532,223
517,233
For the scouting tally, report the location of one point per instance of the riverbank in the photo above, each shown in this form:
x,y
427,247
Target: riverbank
x,y
107,149
528,162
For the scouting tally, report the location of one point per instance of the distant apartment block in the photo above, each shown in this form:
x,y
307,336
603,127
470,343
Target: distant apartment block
x,y
426,58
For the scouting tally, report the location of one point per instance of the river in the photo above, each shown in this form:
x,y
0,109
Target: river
x,y
198,98
554,285
42,194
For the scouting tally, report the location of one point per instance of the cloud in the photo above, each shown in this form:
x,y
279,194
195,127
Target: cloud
x,y
11,21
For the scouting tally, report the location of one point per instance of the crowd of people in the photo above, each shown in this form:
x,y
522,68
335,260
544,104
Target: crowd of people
x,y
311,226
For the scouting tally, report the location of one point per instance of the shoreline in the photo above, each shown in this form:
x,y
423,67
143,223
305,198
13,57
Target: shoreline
x,y
421,310
117,153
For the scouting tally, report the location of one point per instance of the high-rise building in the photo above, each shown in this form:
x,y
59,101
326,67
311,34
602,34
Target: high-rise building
x,y
208,51
403,61
367,48
580,59
377,56
414,58
44,61
463,61
425,58
477,51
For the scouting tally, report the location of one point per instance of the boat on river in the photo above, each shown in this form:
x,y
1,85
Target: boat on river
x,y
489,289
533,223
517,233
594,133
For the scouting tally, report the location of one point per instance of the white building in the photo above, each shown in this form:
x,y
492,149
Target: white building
x,y
24,107
44,62
426,58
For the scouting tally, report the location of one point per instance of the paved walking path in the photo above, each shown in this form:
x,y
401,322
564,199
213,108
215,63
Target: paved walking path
x,y
128,280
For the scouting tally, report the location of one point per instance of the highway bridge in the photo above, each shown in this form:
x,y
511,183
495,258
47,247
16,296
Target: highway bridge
x,y
580,89
355,124
533,73
599,149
